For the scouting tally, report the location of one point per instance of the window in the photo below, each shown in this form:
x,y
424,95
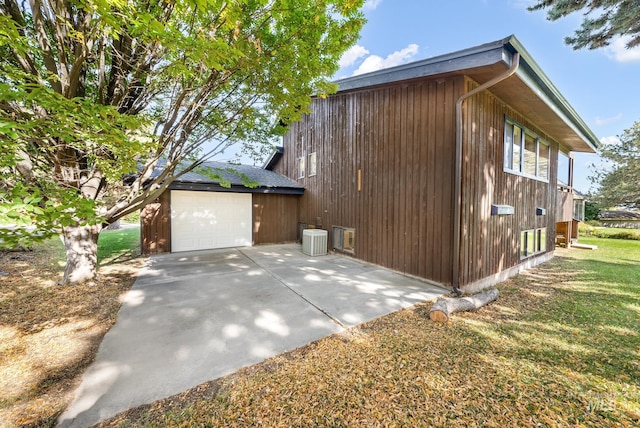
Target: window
x,y
524,152
543,160
344,239
529,154
348,241
532,242
517,147
578,209
542,240
312,164
564,169
301,167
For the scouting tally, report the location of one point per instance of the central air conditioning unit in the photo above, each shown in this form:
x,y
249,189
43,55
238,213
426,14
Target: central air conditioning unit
x,y
314,242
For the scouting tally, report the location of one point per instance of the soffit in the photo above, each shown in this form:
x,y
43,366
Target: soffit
x,y
516,91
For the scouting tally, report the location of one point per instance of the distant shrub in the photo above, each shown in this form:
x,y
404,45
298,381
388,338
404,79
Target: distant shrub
x,y
610,233
626,234
586,229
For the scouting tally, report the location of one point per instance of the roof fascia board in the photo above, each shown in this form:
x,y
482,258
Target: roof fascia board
x,y
490,53
478,56
533,76
274,158
213,187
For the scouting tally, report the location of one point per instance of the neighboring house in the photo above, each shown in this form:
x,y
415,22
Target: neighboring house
x,y
197,213
457,169
624,219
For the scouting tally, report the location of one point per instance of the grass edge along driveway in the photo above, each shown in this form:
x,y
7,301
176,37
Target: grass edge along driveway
x,y
560,347
49,334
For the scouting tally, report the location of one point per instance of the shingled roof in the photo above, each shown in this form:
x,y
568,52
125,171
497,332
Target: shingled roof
x,y
619,215
202,178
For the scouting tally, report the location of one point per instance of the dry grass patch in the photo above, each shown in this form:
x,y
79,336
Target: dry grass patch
x,y
560,347
539,356
48,333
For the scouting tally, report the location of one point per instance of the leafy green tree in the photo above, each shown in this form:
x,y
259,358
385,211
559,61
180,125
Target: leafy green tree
x,y
603,20
620,185
94,93
591,210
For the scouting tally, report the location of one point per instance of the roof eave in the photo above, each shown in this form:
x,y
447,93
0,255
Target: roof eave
x,y
500,51
273,159
477,56
533,76
235,188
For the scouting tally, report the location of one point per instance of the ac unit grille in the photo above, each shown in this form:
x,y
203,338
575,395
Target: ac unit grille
x,y
314,242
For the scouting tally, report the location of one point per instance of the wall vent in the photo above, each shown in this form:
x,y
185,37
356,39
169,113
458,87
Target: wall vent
x,y
502,210
314,242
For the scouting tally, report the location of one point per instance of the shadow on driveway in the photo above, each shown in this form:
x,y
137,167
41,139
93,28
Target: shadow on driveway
x,y
194,317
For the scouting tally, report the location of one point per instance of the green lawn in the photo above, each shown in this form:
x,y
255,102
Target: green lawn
x,y
113,246
560,347
117,245
49,334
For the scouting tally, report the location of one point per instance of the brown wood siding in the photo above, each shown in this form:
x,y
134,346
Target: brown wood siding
x,y
564,206
400,139
155,225
275,218
490,244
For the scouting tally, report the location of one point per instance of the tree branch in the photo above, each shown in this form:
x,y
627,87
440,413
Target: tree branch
x,y
45,45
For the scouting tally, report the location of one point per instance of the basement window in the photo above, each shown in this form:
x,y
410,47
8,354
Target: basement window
x,y
532,242
344,239
525,153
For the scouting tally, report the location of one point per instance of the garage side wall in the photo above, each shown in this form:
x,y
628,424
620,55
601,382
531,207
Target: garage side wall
x,y
275,218
155,225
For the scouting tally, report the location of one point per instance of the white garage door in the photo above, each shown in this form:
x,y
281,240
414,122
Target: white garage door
x,y
206,220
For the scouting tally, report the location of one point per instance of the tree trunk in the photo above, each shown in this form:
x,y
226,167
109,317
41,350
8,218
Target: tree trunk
x,y
81,245
442,308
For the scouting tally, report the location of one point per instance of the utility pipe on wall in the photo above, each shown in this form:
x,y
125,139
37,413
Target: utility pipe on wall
x,y
455,280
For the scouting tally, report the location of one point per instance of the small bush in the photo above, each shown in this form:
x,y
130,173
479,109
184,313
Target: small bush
x,y
626,234
609,233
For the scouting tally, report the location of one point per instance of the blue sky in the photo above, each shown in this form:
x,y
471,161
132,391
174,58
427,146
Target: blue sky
x,y
603,86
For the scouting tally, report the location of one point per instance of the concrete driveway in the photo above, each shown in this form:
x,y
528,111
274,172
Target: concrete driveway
x,y
194,317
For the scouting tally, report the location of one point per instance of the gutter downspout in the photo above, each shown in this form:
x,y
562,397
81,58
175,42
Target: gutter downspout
x,y
455,280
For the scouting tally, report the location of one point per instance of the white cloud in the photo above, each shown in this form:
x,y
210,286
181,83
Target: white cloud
x,y
600,121
352,55
618,50
375,62
371,4
609,140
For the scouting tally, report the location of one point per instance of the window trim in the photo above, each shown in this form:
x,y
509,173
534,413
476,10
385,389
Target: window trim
x,y
312,164
509,160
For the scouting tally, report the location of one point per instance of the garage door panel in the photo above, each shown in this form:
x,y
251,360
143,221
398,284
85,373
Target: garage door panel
x,y
207,220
